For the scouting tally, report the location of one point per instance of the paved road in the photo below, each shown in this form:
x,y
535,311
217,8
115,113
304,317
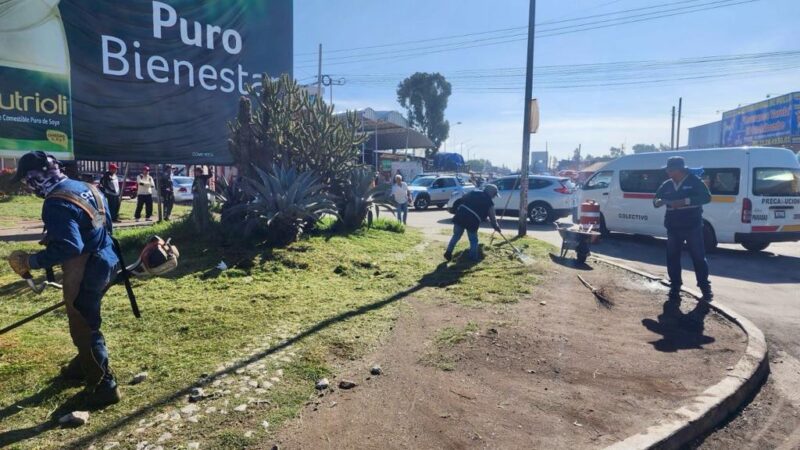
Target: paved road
x,y
764,287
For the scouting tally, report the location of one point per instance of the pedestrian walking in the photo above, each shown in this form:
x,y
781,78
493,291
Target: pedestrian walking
x,y
144,195
110,187
684,195
475,207
78,223
402,196
166,191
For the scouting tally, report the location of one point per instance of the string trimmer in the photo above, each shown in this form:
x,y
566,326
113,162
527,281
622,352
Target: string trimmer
x,y
157,258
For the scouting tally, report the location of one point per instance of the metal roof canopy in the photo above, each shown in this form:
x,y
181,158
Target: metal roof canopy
x,y
389,130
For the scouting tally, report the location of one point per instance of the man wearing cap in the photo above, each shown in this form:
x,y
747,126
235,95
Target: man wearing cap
x,y
78,224
475,207
684,194
109,186
144,194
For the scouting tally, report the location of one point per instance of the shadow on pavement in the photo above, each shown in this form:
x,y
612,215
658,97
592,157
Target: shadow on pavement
x,y
761,267
569,262
679,331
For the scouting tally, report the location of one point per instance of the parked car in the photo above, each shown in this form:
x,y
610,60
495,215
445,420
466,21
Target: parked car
x,y
436,190
755,195
549,198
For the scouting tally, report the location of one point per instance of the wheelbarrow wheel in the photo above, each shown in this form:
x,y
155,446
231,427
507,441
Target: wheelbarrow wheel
x,y
582,252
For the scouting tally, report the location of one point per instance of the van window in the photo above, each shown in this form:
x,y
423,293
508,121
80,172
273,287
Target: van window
x,y
776,182
641,180
600,180
722,181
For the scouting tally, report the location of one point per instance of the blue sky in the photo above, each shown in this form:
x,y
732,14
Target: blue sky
x,y
596,117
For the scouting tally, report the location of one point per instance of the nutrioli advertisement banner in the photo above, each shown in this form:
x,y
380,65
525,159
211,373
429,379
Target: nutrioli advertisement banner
x,y
136,80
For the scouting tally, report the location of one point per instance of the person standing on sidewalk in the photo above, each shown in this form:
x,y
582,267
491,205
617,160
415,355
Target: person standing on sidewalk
x,y
476,206
109,186
684,195
78,239
166,191
402,196
144,194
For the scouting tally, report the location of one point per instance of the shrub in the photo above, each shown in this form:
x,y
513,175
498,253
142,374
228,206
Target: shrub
x,y
282,203
359,197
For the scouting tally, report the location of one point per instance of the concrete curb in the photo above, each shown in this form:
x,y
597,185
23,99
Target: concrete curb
x,y
715,404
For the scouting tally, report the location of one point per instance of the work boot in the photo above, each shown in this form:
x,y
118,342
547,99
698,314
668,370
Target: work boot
x,y
73,372
104,394
448,255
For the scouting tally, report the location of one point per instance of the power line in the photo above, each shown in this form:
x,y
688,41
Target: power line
x,y
479,33
509,39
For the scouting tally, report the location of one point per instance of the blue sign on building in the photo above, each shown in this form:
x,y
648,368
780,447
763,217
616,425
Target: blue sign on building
x,y
771,122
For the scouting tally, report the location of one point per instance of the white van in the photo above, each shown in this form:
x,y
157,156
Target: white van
x,y
755,194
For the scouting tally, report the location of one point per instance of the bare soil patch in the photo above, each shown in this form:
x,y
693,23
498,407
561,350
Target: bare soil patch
x,y
558,370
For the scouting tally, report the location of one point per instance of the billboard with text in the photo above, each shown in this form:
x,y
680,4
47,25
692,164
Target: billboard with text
x,y
137,80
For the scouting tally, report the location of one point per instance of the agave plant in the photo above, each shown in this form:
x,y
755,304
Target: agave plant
x,y
359,197
282,202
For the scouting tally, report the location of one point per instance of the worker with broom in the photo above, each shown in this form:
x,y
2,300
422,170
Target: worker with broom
x,y
684,195
78,224
475,207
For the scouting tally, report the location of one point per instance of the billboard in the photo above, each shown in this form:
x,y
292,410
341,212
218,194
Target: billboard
x,y
136,80
770,122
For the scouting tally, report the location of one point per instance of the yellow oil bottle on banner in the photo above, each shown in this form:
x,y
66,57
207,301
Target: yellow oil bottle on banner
x,y
35,97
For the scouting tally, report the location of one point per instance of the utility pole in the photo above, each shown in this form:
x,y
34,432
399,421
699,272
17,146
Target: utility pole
x,y
672,131
678,131
526,131
319,74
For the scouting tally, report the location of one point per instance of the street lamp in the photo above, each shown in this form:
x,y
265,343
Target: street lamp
x,y
445,141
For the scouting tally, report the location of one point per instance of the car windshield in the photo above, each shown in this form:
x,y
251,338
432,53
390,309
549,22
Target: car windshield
x,y
424,182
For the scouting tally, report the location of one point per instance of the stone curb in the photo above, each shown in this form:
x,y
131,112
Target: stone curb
x,y
707,410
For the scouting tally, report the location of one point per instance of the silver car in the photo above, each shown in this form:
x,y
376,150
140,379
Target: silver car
x,y
549,198
436,190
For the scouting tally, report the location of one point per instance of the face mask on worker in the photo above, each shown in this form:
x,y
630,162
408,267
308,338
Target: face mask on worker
x,y
41,182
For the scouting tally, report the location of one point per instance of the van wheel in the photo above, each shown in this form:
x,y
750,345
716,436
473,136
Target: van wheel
x,y
755,246
709,237
540,213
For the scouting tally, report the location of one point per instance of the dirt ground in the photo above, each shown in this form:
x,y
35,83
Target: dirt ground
x,y
770,420
558,370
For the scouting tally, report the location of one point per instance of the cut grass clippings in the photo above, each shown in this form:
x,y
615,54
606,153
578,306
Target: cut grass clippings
x,y
296,309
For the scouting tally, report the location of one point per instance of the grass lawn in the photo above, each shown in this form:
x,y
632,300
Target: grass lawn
x,y
282,313
21,208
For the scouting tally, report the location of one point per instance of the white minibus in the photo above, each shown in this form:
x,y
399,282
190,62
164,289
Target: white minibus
x,y
755,194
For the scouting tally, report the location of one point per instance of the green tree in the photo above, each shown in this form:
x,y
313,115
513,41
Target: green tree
x,y
616,152
424,96
644,148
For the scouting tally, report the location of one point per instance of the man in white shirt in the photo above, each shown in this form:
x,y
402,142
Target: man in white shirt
x,y
144,194
402,196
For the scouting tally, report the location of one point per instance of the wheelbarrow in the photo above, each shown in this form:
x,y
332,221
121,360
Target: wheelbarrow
x,y
578,239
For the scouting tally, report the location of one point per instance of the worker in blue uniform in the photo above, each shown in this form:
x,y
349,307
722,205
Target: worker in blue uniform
x,y
684,195
475,207
78,225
